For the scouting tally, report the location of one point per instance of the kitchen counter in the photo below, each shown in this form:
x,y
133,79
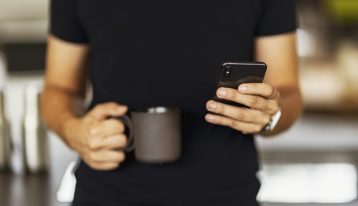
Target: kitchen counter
x,y
40,190
28,190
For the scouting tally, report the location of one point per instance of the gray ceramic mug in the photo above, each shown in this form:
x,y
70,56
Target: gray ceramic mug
x,y
154,134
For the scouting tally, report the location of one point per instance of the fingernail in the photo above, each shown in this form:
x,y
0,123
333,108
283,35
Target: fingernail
x,y
222,92
209,117
121,108
212,105
242,88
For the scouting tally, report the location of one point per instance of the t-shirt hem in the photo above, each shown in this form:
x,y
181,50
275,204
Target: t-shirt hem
x,y
278,32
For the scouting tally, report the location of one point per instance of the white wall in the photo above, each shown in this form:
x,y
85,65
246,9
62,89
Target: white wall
x,y
23,20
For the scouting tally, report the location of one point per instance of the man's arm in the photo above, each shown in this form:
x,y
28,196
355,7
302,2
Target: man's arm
x,y
279,53
64,83
94,135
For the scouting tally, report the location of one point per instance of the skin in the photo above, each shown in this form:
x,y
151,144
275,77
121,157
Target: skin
x,y
98,139
280,90
95,137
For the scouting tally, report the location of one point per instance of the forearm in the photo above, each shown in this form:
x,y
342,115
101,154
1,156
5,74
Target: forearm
x,y
291,106
60,106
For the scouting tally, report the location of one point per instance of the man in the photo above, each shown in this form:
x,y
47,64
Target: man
x,y
145,53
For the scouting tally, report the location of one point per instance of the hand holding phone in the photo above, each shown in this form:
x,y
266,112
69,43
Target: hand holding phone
x,y
233,74
259,108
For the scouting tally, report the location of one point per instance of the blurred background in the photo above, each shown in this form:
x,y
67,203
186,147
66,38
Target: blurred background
x,y
314,163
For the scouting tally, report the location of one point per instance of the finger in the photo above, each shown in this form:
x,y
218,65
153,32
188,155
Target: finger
x,y
252,101
261,89
244,127
105,110
272,107
106,156
107,127
103,165
111,142
238,113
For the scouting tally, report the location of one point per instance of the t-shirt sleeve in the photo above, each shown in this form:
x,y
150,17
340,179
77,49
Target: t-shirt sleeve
x,y
276,16
65,23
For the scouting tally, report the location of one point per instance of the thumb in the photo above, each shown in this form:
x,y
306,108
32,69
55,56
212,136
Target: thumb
x,y
105,110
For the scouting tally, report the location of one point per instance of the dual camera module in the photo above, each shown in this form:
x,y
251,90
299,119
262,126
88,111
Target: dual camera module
x,y
227,71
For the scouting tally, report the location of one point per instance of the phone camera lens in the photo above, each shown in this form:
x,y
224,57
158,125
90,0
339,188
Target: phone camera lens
x,y
227,71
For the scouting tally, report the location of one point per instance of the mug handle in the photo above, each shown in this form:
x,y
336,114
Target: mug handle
x,y
126,120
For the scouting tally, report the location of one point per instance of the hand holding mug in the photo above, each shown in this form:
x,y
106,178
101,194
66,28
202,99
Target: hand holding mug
x,y
260,98
97,137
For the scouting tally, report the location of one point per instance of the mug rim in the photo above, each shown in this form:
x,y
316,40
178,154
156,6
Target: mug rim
x,y
155,109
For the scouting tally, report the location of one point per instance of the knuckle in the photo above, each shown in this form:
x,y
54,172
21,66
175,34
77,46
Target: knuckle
x,y
96,166
121,156
256,128
254,101
113,124
91,156
219,107
104,106
123,140
251,86
270,91
273,108
232,94
120,126
109,166
266,119
245,132
92,165
93,131
111,105
93,143
240,116
113,166
266,106
110,121
233,124
100,107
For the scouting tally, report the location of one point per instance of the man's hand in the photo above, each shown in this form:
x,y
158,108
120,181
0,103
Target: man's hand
x,y
261,98
97,138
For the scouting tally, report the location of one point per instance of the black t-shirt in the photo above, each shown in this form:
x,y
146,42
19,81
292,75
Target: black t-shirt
x,y
168,53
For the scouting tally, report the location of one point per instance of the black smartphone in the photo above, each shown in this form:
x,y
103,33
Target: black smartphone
x,y
232,74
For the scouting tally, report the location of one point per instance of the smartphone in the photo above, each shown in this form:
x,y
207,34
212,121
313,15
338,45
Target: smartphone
x,y
232,74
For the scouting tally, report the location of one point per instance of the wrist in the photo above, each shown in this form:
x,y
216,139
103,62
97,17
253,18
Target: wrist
x,y
272,124
68,129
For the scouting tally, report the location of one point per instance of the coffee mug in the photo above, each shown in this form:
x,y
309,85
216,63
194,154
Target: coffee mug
x,y
154,133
